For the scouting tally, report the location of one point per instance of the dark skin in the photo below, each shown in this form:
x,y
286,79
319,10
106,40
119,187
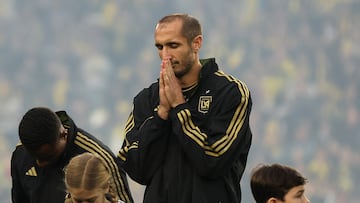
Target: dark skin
x,y
50,153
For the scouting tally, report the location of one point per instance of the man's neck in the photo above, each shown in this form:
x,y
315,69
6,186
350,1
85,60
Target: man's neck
x,y
191,77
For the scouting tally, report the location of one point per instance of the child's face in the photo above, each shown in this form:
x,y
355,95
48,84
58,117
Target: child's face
x,y
296,195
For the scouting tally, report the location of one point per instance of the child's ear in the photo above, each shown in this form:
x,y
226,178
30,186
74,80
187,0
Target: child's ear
x,y
272,200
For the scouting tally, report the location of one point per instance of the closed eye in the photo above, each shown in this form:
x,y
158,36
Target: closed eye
x,y
159,46
171,45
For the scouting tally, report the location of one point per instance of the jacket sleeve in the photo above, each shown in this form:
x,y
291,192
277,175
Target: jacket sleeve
x,y
18,194
215,141
145,140
119,175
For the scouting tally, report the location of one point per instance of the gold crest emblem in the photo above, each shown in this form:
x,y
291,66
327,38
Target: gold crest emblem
x,y
204,103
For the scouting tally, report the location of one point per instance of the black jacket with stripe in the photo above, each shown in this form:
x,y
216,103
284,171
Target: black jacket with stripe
x,y
199,154
32,184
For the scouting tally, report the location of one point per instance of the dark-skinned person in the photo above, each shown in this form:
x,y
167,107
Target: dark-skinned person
x,y
48,140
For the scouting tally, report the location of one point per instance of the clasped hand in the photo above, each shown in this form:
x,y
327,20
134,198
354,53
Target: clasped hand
x,y
169,89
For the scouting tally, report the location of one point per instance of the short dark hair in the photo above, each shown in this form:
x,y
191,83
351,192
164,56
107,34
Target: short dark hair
x,y
190,25
274,181
39,126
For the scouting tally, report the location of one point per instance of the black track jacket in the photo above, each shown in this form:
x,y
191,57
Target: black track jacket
x,y
32,184
199,154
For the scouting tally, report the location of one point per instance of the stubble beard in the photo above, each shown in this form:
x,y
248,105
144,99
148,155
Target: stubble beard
x,y
186,66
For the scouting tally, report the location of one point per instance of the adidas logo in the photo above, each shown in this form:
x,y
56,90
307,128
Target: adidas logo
x,y
31,172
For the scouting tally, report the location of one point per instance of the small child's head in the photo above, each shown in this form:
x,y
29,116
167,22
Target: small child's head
x,y
277,183
87,179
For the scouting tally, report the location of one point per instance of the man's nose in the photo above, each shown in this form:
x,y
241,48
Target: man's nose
x,y
165,53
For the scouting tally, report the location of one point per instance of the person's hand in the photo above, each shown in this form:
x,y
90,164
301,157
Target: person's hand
x,y
172,88
164,106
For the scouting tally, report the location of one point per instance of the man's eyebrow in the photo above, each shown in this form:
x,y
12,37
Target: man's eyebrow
x,y
167,43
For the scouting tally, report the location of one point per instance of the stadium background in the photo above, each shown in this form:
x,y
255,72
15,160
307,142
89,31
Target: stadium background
x,y
300,59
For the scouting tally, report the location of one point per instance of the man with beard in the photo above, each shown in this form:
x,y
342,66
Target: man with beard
x,y
188,136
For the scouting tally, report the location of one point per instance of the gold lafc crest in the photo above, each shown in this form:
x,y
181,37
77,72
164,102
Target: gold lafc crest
x,y
204,104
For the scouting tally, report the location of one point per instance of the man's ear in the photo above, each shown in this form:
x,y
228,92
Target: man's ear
x,y
64,134
197,42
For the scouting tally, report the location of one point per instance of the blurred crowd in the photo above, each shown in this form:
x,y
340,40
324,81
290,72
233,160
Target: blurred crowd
x,y
300,60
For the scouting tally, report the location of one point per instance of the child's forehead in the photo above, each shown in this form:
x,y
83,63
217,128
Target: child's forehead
x,y
297,190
